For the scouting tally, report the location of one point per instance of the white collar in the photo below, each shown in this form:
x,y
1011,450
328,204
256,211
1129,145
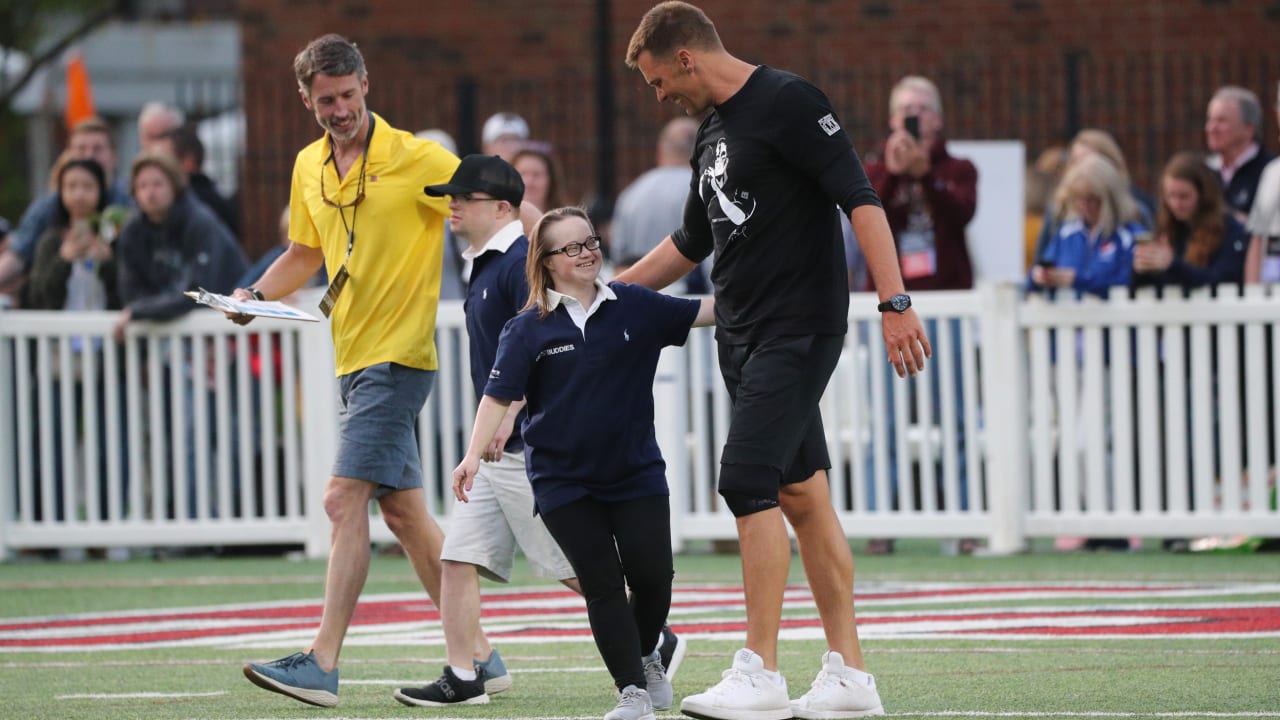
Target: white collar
x,y
1250,153
604,292
500,242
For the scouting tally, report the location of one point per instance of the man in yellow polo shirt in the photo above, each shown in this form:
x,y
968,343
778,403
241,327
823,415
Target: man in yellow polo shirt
x,y
357,205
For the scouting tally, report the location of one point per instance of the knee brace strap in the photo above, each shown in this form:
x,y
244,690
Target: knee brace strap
x,y
748,489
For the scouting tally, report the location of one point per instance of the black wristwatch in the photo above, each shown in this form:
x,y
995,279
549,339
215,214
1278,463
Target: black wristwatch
x,y
898,303
256,293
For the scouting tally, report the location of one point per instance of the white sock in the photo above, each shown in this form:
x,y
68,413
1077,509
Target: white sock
x,y
776,677
465,675
660,639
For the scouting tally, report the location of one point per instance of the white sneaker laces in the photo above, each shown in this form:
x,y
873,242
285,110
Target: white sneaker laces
x,y
733,678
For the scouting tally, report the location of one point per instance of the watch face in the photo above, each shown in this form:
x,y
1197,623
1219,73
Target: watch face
x,y
900,302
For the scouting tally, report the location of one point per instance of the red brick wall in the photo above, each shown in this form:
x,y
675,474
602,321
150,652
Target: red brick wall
x,y
1146,69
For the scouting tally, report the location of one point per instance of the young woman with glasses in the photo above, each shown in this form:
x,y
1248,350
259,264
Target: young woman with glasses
x,y
584,355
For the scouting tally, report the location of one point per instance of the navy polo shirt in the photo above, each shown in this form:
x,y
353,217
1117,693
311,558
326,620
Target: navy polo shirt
x,y
497,291
590,425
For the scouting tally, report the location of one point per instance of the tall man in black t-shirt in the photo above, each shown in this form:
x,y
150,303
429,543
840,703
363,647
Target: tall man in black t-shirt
x,y
770,162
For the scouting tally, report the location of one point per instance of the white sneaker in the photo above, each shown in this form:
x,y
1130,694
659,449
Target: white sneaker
x,y
835,694
745,692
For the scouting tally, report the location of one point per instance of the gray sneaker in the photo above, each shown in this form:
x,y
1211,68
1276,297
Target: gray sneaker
x,y
659,687
633,704
298,676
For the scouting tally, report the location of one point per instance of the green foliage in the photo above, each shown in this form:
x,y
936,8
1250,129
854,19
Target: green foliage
x,y
24,24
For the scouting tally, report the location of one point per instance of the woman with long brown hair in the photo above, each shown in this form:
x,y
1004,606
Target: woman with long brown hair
x,y
1197,240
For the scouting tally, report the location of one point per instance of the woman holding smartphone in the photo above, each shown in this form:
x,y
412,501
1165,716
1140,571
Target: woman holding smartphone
x,y
1093,249
1198,240
584,354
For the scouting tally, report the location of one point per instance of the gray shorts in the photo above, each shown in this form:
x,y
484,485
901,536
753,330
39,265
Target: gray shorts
x,y
378,410
486,531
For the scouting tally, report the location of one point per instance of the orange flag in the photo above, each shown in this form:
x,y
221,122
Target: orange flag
x,y
79,91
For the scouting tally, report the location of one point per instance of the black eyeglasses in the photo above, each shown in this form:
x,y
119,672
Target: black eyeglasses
x,y
325,197
574,249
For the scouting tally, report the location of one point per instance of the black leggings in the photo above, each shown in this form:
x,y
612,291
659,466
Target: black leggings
x,y
613,546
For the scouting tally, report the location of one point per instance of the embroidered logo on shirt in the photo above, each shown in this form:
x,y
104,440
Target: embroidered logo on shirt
x,y
626,336
494,374
828,124
554,351
484,294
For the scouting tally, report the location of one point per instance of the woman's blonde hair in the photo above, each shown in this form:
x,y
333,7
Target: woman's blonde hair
x,y
1097,175
535,269
1102,143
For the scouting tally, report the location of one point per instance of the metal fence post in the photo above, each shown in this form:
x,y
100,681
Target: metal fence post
x,y
1004,389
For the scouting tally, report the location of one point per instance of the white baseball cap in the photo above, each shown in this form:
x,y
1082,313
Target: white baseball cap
x,y
504,124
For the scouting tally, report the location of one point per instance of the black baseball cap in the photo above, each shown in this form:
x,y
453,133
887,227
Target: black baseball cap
x,y
483,173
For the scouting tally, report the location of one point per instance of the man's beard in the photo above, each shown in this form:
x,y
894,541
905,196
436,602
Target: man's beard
x,y
357,119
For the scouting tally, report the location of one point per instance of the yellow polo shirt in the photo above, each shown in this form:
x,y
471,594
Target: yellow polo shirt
x,y
387,312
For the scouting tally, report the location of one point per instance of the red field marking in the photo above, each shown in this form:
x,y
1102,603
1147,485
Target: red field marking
x,y
528,613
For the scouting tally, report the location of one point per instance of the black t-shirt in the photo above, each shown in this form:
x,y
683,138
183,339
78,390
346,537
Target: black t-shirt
x,y
770,166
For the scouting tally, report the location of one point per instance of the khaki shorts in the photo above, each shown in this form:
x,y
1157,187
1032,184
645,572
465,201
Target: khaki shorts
x,y
486,531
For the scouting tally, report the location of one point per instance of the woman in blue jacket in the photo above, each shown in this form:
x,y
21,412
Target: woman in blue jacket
x,y
584,355
1093,250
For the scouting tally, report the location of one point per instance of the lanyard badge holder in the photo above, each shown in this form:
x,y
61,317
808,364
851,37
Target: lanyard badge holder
x,y
335,288
341,277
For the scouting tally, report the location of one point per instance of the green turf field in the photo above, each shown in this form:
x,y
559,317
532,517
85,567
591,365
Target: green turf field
x,y
1221,660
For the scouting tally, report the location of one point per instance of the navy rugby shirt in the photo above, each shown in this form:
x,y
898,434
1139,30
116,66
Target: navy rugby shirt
x,y
497,290
590,425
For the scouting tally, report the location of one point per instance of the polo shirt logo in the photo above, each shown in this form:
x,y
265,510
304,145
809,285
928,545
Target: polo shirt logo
x,y
484,294
555,351
626,336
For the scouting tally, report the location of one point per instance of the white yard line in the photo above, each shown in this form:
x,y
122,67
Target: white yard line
x,y
137,695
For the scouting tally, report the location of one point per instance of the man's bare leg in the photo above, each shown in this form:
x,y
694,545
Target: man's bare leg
x,y
828,562
346,501
460,614
763,538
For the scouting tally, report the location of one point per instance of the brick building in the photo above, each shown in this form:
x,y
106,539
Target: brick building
x,y
1036,70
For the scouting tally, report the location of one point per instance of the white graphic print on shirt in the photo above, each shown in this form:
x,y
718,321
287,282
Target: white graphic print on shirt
x,y
736,205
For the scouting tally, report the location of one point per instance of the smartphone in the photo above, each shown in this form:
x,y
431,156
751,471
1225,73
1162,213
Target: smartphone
x,y
911,124
1142,236
1047,264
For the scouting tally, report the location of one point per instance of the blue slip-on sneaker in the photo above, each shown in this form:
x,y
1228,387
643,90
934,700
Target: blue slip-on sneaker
x,y
299,676
494,673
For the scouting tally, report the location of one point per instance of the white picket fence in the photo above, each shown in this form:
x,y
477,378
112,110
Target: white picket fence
x,y
1117,418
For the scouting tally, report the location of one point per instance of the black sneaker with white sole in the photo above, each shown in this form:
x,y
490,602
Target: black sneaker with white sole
x,y
672,651
446,690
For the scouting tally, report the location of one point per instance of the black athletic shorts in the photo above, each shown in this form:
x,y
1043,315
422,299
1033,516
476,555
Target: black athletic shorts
x,y
775,386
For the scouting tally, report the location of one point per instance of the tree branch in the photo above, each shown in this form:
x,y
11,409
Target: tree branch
x,y
86,26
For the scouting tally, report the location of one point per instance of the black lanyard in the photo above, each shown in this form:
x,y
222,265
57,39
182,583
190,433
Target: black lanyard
x,y
364,161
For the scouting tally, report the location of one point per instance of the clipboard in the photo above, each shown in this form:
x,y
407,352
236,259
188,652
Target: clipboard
x,y
260,308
